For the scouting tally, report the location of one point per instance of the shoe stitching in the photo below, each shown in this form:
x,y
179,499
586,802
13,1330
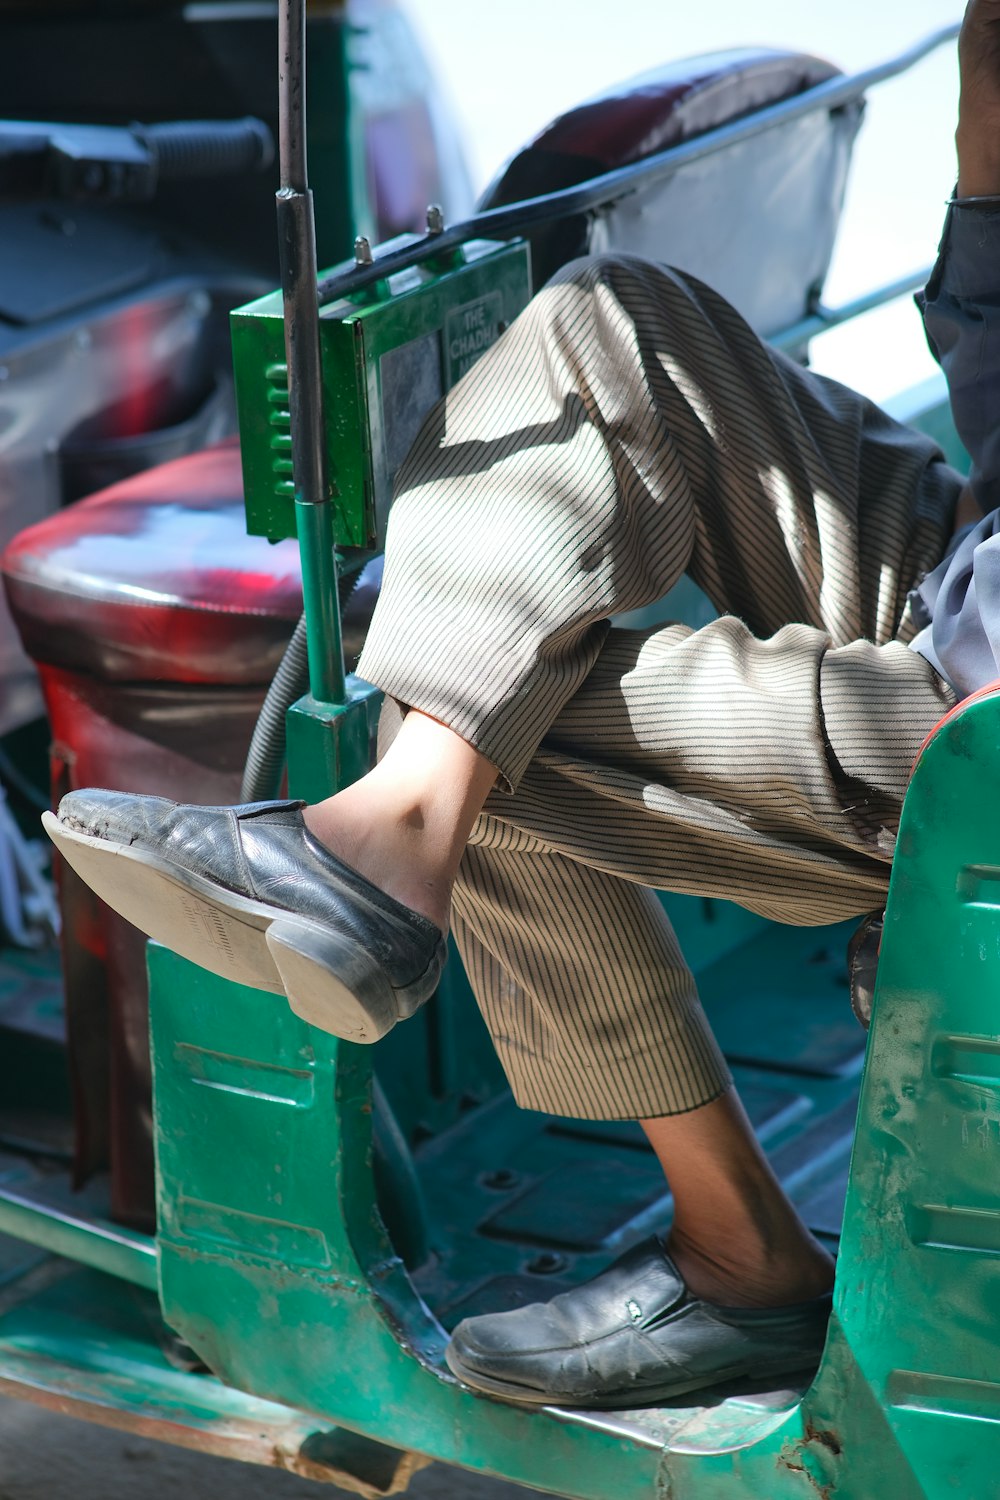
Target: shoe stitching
x,y
241,855
665,1314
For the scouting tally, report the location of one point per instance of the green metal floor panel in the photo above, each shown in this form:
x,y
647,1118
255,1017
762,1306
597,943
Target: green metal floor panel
x,y
521,1205
770,1107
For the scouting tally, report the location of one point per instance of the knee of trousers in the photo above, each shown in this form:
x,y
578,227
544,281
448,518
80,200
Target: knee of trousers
x,y
666,303
637,284
615,268
626,273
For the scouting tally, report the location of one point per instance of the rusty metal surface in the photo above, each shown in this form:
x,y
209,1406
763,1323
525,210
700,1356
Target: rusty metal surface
x,y
85,1345
44,1455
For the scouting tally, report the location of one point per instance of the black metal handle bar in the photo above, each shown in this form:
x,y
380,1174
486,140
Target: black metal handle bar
x,y
208,148
118,163
597,192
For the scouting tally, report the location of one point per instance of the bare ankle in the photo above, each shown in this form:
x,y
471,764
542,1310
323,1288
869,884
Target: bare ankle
x,y
386,852
738,1271
405,825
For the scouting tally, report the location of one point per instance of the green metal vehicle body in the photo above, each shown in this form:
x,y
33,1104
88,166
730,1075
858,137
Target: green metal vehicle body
x,y
326,1212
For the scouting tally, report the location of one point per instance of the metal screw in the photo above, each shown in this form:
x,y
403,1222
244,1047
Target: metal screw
x,y
500,1180
435,219
363,251
547,1264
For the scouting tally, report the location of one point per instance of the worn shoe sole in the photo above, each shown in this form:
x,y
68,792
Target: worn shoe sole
x,y
615,1401
329,979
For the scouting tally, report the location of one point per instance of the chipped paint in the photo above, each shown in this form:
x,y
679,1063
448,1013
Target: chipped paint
x,y
816,1457
369,1488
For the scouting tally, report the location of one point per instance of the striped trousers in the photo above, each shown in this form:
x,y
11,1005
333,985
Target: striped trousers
x,y
630,427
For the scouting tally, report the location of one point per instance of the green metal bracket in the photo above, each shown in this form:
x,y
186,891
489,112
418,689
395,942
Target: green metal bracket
x,y
331,745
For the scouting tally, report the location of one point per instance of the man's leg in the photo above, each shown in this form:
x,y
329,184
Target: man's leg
x,y
735,1238
707,762
629,427
714,763
595,1014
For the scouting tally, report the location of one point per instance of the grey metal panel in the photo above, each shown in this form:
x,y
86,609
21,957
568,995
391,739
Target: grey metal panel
x,y
757,221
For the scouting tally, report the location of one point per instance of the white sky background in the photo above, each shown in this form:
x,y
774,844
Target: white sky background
x,y
510,68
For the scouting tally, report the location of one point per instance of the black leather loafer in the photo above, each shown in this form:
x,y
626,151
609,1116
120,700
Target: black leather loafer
x,y
632,1335
248,893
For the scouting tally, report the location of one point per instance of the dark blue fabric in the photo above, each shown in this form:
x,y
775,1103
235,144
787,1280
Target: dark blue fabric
x,y
958,602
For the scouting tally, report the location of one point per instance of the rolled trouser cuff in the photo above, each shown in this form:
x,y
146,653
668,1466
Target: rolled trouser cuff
x,y
878,705
507,732
592,1009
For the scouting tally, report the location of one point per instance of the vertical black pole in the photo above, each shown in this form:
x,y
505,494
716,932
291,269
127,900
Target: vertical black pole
x,y
297,251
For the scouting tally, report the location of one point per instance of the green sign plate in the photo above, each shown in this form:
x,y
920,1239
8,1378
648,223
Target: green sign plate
x,y
388,355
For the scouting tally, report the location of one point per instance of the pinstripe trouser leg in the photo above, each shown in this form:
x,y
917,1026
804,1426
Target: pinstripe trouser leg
x,y
628,428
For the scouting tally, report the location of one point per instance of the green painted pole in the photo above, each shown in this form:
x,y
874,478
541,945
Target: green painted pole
x,y
106,1247
324,642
